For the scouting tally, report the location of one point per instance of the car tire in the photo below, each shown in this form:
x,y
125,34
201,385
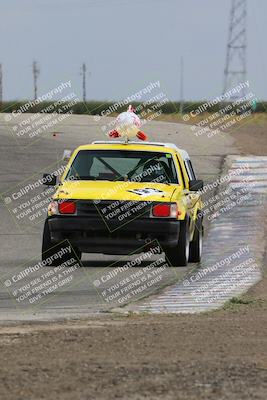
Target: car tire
x,y
195,248
78,253
47,245
178,256
49,249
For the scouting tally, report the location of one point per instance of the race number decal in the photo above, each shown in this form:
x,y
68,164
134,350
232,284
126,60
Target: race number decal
x,y
146,191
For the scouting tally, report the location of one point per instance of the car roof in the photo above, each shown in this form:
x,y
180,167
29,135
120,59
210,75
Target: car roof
x,y
155,146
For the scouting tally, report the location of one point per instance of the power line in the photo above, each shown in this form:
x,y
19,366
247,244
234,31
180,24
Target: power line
x,y
1,84
36,73
182,86
84,81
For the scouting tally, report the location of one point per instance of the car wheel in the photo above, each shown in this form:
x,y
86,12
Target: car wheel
x,y
78,253
47,245
195,249
178,256
49,249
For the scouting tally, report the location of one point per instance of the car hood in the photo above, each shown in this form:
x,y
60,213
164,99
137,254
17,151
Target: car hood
x,y
106,190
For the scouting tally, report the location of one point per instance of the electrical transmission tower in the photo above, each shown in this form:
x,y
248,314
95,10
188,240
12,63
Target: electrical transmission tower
x,y
36,73
1,85
84,81
236,70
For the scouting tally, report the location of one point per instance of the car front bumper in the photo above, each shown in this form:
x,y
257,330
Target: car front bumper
x,y
92,235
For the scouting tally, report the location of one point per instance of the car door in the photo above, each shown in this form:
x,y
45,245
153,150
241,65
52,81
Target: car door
x,y
193,198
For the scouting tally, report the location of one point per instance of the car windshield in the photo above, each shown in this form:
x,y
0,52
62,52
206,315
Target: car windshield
x,y
123,165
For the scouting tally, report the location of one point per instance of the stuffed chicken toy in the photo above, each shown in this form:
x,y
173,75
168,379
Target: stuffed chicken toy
x,y
127,126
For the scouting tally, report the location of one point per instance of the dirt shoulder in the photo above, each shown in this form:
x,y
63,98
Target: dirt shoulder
x,y
220,355
251,136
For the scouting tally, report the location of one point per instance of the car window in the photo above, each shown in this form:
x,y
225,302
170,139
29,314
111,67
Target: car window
x,y
182,173
140,166
192,169
189,169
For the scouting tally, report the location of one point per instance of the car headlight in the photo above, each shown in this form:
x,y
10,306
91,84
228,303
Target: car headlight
x,y
52,208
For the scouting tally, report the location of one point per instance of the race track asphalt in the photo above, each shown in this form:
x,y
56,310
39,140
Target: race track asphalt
x,y
23,160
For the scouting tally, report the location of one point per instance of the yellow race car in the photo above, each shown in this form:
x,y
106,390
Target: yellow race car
x,y
118,198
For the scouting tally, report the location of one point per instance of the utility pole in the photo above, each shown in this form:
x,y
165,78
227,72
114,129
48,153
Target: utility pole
x,y
182,86
1,84
236,67
36,73
84,81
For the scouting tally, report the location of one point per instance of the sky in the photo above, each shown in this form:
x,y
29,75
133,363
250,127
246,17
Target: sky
x,y
126,44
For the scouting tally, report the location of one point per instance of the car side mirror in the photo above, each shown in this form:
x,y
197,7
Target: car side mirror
x,y
49,179
195,185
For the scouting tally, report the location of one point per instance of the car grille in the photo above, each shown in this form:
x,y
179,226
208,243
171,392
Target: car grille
x,y
114,210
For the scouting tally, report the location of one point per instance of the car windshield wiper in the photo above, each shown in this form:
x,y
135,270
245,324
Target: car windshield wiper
x,y
83,178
